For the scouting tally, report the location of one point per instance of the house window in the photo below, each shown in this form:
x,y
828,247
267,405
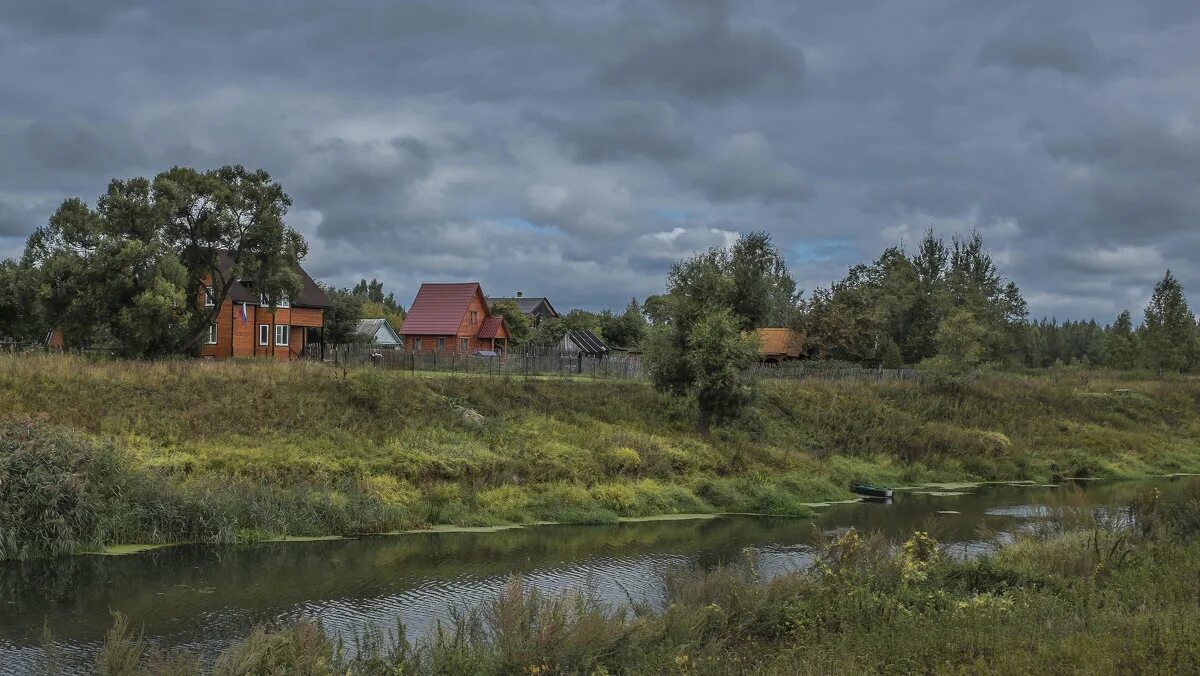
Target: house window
x,y
463,345
416,344
264,334
281,302
441,344
212,334
209,298
282,333
474,317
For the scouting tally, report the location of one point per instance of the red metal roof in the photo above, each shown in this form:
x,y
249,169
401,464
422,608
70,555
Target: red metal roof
x,y
490,328
438,309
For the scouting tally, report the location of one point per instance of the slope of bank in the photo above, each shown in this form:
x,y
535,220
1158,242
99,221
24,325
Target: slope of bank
x,y
235,451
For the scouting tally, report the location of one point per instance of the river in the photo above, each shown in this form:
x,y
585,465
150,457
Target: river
x,y
204,597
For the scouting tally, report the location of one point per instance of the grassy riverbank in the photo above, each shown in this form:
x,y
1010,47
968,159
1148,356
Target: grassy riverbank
x,y
1077,595
226,452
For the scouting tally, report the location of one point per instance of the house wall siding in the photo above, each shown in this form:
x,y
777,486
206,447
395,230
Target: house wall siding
x,y
479,306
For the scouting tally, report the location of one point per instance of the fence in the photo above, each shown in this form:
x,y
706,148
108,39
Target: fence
x,y
801,371
622,365
550,363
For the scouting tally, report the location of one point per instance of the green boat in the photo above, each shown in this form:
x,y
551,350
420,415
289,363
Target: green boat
x,y
860,488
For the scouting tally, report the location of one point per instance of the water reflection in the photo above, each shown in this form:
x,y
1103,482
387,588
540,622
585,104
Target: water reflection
x,y
204,597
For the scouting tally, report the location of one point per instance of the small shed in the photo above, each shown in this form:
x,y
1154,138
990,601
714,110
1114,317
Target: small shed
x,y
380,333
780,344
583,342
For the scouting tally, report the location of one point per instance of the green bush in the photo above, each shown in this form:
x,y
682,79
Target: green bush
x,y
58,491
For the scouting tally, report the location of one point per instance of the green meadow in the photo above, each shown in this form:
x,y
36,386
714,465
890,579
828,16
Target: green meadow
x,y
103,453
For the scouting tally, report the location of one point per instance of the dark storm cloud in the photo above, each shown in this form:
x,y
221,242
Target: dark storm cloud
x,y
623,130
578,149
1033,46
711,61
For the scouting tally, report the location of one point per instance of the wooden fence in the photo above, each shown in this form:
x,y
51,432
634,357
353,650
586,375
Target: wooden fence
x,y
622,365
550,363
801,371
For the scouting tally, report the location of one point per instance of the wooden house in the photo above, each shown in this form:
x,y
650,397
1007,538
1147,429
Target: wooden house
x,y
247,327
379,332
453,319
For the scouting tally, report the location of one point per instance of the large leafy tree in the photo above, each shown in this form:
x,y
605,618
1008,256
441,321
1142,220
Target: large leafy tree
x,y
700,344
626,329
105,277
234,212
133,271
763,292
1170,327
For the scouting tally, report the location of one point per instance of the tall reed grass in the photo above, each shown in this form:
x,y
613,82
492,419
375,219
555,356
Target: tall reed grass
x,y
1052,603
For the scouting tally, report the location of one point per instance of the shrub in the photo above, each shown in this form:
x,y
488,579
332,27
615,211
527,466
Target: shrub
x,y
58,490
622,460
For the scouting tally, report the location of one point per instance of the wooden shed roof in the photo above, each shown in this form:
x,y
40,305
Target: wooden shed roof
x,y
588,342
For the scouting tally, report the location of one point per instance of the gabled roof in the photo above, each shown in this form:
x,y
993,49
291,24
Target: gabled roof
x,y
311,295
438,309
373,327
779,341
527,304
490,328
586,341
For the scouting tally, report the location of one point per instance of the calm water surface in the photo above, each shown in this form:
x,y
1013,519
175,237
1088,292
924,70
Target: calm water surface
x,y
204,597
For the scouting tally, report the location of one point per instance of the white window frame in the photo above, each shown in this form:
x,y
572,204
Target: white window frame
x,y
209,299
264,334
282,331
212,334
283,303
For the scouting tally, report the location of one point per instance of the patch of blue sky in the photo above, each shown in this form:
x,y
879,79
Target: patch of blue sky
x,y
822,251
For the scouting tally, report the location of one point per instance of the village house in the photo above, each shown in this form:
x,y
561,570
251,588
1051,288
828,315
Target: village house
x,y
246,326
453,319
379,332
536,308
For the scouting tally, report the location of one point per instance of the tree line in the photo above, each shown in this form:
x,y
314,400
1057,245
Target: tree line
x,y
129,274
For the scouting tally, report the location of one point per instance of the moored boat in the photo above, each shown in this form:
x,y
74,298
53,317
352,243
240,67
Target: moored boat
x,y
861,488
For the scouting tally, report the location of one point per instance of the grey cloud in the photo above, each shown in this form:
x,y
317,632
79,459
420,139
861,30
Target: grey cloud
x,y
1031,46
1137,178
577,149
744,167
622,131
711,62
19,216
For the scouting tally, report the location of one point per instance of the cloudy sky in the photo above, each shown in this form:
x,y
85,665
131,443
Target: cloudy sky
x,y
575,149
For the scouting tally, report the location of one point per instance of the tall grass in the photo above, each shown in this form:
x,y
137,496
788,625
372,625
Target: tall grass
x,y
232,451
1053,603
